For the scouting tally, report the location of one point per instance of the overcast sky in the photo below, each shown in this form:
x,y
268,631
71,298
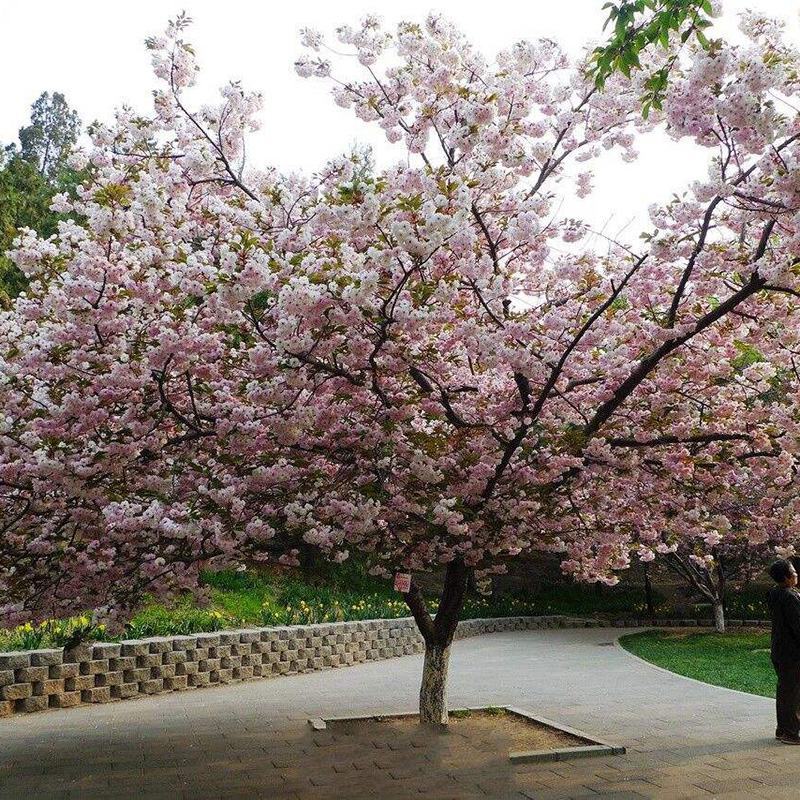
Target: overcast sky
x,y
93,52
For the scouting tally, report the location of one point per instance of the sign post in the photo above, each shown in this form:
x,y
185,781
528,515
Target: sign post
x,y
402,582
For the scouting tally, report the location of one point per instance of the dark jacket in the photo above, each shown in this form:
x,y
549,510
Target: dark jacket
x,y
784,604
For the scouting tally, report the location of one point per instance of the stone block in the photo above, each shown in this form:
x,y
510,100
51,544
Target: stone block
x,y
31,674
149,660
50,686
106,650
6,708
6,677
259,671
187,668
222,676
177,683
134,647
100,694
124,691
94,667
31,704
184,642
207,639
209,665
164,671
16,691
243,673
109,678
153,686
80,683
65,700
122,663
14,660
46,658
160,644
221,651
81,652
136,675
175,657
64,671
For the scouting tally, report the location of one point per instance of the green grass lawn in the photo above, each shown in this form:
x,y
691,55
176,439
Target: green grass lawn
x,y
737,660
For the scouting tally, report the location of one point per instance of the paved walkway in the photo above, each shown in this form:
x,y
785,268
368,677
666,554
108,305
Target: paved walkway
x,y
251,740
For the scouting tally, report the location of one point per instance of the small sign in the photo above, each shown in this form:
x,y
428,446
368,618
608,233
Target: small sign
x,y
402,582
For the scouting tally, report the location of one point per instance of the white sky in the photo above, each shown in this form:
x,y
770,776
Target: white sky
x,y
93,52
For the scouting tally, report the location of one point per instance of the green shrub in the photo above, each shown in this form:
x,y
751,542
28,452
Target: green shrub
x,y
179,620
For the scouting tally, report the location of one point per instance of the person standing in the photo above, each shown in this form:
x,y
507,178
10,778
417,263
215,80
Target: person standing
x,y
784,605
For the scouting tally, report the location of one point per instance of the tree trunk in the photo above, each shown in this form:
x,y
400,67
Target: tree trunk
x,y
719,616
648,590
433,692
438,634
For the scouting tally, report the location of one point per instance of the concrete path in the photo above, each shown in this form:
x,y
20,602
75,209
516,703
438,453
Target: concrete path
x,y
251,740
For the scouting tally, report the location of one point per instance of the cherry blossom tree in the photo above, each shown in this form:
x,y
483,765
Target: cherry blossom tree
x,y
428,364
724,538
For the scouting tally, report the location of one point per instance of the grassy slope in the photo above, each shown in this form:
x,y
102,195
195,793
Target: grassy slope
x,y
331,593
736,660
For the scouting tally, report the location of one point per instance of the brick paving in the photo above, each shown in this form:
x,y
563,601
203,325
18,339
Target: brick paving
x,y
251,740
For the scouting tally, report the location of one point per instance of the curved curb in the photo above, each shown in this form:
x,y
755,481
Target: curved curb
x,y
677,674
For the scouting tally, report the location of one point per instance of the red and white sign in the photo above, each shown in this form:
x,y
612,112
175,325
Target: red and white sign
x,y
402,582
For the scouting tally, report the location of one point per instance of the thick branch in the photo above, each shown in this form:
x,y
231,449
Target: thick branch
x,y
416,603
702,438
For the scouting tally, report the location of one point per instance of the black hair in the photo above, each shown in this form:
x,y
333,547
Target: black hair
x,y
780,570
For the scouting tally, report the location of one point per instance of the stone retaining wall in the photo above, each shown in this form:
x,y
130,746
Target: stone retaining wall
x,y
36,680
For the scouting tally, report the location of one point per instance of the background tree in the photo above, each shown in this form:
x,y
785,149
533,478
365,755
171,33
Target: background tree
x,y
717,549
218,359
30,175
51,135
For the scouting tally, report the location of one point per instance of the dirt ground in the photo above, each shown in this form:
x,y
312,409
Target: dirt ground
x,y
493,729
